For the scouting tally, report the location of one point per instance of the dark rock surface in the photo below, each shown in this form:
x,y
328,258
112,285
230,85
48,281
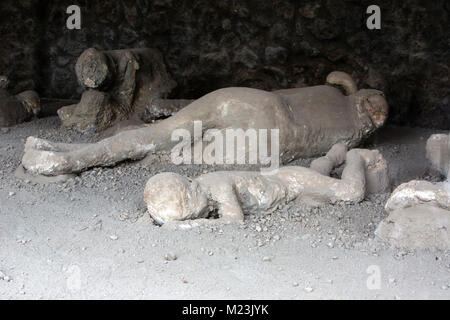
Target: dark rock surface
x,y
263,44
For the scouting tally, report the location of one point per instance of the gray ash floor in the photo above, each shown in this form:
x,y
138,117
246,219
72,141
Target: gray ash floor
x,y
90,237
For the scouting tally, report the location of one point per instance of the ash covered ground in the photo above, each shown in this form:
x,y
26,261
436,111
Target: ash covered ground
x,y
90,237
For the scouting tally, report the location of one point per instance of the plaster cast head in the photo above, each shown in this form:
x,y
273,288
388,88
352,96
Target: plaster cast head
x,y
94,69
373,103
370,101
172,197
31,101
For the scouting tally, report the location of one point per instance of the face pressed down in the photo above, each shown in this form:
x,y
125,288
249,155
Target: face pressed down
x,y
170,197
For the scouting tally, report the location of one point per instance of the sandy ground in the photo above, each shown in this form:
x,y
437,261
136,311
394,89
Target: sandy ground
x,y
90,237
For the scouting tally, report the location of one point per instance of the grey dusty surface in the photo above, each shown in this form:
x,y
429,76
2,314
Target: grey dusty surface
x,y
90,237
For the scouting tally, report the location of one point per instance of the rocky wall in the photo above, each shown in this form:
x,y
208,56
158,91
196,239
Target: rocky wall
x,y
270,44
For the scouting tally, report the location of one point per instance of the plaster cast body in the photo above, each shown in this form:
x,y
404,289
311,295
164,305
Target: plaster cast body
x,y
119,85
19,108
172,197
310,121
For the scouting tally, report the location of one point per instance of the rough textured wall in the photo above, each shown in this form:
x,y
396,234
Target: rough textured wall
x,y
267,44
20,31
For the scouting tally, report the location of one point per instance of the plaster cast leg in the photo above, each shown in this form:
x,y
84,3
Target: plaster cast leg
x,y
376,171
352,185
46,158
334,158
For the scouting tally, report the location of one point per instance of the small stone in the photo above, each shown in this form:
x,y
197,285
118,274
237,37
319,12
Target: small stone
x,y
113,237
170,257
4,277
258,228
444,287
309,289
295,284
12,194
266,259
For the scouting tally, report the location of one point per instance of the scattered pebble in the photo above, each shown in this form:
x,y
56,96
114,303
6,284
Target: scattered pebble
x,y
309,289
4,277
392,281
170,257
266,259
113,237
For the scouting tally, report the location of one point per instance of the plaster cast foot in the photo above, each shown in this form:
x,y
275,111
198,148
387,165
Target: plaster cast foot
x,y
45,162
45,145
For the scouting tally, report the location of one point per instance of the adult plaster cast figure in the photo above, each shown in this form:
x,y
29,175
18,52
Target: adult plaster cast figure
x,y
419,211
172,197
19,108
120,85
310,121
